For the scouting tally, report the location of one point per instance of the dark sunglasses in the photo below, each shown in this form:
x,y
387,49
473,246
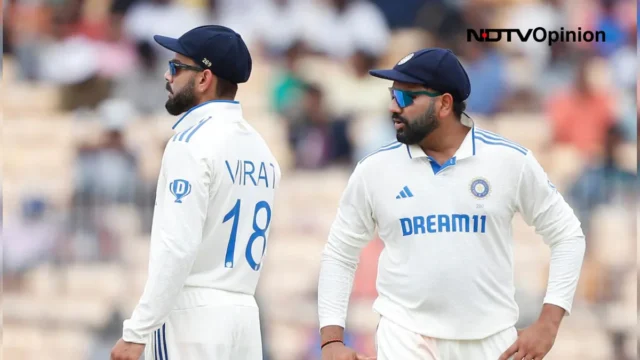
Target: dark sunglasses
x,y
405,98
174,65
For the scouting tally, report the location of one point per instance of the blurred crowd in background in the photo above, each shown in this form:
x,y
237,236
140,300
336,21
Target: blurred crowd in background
x,y
85,126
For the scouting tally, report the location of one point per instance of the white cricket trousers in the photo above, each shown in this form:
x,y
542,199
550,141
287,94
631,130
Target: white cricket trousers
x,y
209,325
394,342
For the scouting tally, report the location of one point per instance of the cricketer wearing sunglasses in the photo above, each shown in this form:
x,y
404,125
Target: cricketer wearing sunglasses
x,y
211,222
442,199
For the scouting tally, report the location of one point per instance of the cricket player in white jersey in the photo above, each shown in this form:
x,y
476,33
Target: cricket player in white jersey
x,y
214,205
442,199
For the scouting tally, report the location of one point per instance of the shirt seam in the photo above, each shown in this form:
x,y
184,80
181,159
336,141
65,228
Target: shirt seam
x,y
520,177
366,194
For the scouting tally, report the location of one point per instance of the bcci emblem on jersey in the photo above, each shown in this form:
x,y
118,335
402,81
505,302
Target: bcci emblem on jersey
x,y
480,188
180,188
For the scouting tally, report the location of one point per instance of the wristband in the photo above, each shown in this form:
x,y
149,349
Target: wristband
x,y
330,342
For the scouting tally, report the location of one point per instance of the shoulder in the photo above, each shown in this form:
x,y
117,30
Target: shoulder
x,y
383,154
499,146
196,140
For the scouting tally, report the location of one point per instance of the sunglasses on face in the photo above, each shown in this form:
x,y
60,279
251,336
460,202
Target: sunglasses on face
x,y
405,98
174,65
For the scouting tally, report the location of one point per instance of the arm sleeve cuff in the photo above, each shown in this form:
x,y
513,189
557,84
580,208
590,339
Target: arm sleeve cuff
x,y
559,302
131,336
332,321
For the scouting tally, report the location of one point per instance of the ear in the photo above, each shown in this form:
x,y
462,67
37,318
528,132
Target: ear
x,y
207,81
446,106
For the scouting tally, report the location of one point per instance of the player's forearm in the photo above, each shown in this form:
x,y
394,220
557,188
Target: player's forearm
x,y
564,271
334,290
331,332
166,280
552,315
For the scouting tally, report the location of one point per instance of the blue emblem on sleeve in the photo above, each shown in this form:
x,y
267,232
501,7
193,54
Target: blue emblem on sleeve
x,y
180,189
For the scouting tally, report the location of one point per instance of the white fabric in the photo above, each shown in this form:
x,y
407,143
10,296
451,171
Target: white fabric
x,y
278,26
395,342
230,171
209,325
69,61
361,26
448,256
147,19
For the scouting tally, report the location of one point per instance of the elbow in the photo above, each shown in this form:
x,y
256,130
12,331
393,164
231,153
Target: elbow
x,y
574,243
336,252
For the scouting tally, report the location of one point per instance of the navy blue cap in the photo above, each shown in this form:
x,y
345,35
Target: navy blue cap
x,y
213,47
435,68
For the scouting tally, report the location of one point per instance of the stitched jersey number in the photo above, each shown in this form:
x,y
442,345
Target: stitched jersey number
x,y
258,233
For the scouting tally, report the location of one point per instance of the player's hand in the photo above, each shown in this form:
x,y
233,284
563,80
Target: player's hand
x,y
533,343
337,351
127,351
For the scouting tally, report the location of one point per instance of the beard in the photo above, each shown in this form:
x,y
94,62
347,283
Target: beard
x,y
183,100
413,132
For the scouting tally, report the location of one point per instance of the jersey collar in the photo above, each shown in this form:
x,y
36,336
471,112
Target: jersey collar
x,y
200,111
467,148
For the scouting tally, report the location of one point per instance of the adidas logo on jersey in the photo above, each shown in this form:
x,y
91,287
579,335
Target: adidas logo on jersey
x,y
405,193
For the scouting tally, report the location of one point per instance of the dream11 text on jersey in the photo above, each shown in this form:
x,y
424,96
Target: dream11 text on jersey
x,y
438,223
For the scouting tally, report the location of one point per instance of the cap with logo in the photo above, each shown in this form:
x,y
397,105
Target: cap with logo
x,y
435,68
213,47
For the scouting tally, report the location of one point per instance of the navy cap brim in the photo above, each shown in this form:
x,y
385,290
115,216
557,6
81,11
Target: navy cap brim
x,y
395,75
170,43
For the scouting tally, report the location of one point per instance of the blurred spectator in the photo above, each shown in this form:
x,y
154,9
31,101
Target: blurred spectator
x,y
581,114
549,14
337,27
116,53
23,25
623,62
317,139
403,17
165,17
107,172
444,20
107,335
603,183
145,86
559,73
609,22
486,69
29,241
351,91
72,60
288,84
274,24
360,93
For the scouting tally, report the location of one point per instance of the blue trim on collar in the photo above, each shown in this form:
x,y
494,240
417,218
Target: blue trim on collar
x,y
437,167
409,152
200,105
473,139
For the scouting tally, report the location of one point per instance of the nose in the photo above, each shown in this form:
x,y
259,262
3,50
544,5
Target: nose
x,y
167,75
394,108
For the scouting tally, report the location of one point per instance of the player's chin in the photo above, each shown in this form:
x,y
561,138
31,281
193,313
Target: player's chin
x,y
172,108
401,137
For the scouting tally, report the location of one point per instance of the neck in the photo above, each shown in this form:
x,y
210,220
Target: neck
x,y
215,98
446,139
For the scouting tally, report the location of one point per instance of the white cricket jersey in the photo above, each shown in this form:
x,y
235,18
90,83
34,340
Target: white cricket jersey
x,y
214,204
446,270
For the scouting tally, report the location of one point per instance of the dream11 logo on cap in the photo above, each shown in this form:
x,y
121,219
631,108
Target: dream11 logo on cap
x,y
538,34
